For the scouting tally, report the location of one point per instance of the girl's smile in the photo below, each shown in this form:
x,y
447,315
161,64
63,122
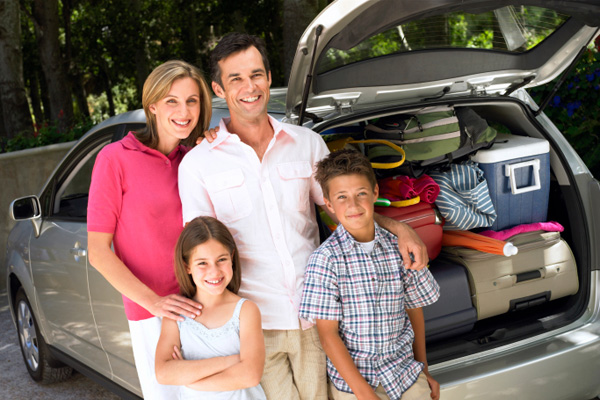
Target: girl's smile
x,y
211,268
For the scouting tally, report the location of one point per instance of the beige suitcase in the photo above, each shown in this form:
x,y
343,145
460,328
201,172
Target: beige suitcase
x,y
543,270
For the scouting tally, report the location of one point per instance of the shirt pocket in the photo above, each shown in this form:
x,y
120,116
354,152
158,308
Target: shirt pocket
x,y
358,293
295,184
229,195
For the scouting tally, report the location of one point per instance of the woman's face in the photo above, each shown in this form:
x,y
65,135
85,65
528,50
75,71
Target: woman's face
x,y
177,113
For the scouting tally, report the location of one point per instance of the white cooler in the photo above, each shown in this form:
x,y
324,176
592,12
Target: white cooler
x,y
517,170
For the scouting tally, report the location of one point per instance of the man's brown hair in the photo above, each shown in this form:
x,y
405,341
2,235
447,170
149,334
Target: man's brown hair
x,y
343,162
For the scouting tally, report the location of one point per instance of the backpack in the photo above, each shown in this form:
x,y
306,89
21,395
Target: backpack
x,y
431,137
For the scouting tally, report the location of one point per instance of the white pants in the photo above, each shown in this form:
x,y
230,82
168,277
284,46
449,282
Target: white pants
x,y
144,338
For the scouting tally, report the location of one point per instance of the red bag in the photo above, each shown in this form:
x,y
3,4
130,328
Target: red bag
x,y
424,218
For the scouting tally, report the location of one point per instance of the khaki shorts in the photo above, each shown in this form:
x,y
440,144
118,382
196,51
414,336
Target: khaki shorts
x,y
418,391
295,365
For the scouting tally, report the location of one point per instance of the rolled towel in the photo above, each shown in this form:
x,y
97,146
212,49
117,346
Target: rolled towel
x,y
427,188
550,226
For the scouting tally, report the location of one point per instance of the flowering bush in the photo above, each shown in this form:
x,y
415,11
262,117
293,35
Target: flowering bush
x,y
575,109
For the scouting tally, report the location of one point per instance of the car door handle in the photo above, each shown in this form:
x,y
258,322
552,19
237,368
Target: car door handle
x,y
78,252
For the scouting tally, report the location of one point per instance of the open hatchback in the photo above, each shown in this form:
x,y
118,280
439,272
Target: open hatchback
x,y
362,61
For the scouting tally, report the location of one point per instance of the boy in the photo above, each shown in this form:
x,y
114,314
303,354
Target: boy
x,y
362,297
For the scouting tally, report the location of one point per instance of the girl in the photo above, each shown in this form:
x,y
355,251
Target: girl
x,y
134,205
223,347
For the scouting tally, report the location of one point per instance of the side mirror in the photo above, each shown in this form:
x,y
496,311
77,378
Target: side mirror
x,y
25,208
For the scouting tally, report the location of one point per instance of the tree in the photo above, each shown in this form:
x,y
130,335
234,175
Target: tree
x,y
45,18
16,117
297,15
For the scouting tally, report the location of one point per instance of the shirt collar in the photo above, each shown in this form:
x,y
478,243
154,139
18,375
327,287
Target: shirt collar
x,y
224,134
347,241
130,142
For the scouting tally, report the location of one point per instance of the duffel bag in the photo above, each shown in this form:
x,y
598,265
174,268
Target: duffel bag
x,y
429,137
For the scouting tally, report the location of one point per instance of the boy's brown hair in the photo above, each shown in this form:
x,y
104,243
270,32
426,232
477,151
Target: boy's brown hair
x,y
343,162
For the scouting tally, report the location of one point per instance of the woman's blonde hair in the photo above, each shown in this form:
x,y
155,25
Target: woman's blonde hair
x,y
196,232
157,86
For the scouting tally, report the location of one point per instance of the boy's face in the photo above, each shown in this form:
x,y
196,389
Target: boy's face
x,y
352,200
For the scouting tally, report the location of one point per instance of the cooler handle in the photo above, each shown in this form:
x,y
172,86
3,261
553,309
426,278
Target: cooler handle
x,y
510,173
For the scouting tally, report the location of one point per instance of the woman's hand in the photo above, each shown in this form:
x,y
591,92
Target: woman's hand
x,y
174,305
210,135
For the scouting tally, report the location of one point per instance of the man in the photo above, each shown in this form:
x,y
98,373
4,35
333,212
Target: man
x,y
257,178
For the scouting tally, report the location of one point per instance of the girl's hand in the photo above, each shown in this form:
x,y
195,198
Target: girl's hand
x,y
177,353
173,305
210,135
434,386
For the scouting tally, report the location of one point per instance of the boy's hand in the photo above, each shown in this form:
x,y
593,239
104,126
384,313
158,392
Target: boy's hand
x,y
210,135
434,386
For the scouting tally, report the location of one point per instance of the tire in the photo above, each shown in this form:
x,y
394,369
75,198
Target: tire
x,y
42,367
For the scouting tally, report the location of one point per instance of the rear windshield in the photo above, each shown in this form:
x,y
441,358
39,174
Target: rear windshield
x,y
513,29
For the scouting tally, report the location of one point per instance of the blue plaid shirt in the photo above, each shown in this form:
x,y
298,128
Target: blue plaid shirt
x,y
368,294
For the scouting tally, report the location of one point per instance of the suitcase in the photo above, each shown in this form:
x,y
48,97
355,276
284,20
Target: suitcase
x,y
424,218
543,270
453,313
517,171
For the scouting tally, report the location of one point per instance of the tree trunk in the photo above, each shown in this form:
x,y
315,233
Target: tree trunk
x,y
141,57
297,14
73,70
16,117
107,88
34,95
45,16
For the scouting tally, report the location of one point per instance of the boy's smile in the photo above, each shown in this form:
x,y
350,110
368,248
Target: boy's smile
x,y
352,200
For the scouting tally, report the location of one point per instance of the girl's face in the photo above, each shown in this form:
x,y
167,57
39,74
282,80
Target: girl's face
x,y
177,113
210,265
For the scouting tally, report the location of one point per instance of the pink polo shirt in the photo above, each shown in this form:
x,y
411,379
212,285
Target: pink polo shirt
x,y
134,196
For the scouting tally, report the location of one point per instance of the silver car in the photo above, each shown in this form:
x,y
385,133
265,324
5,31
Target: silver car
x,y
357,61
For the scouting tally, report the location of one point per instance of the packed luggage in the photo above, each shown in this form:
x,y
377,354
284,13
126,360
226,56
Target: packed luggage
x,y
479,201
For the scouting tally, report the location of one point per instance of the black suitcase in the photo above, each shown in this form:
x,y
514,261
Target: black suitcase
x,y
453,313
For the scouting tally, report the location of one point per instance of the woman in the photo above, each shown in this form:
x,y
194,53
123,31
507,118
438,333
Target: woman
x,y
134,205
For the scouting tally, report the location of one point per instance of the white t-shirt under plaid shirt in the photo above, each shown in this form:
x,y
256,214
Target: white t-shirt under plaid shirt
x,y
368,294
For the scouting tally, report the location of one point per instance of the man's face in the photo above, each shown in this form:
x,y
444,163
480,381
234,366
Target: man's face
x,y
246,84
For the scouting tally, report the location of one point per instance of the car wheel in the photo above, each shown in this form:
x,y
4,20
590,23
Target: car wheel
x,y
40,364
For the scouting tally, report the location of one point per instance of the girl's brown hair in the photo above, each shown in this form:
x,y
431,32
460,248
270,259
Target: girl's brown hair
x,y
157,86
199,231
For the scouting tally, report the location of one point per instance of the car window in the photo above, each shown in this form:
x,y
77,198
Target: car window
x,y
513,29
73,193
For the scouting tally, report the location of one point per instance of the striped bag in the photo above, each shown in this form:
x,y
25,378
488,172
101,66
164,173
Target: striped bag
x,y
464,199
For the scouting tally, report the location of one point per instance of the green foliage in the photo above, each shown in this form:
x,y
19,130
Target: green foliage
x,y
47,133
575,108
124,96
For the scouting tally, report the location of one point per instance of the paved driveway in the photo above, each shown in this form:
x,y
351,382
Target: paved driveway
x,y
15,382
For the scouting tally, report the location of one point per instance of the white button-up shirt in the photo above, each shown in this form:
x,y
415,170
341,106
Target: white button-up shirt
x,y
267,206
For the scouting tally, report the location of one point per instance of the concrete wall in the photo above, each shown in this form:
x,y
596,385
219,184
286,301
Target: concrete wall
x,y
23,173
